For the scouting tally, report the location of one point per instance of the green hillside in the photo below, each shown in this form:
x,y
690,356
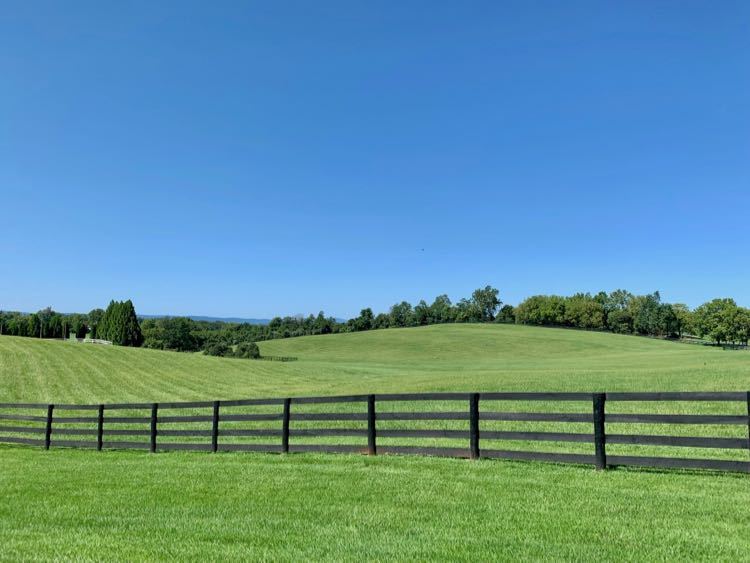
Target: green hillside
x,y
448,357
124,505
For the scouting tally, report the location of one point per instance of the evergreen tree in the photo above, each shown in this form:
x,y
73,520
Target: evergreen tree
x,y
119,324
102,329
131,327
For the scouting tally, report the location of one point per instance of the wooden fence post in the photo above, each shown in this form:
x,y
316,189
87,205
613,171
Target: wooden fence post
x,y
285,426
372,448
48,429
599,432
100,429
474,426
215,428
748,420
154,414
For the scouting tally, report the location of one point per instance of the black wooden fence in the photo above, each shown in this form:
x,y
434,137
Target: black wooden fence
x,y
52,427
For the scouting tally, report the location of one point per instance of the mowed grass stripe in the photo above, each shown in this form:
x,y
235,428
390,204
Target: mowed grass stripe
x,y
436,358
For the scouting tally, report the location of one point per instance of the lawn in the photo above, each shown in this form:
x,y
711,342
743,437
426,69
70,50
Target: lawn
x,y
435,358
75,504
136,506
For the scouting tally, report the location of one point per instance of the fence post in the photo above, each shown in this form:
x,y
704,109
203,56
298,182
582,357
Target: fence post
x,y
599,433
48,429
215,428
372,448
154,414
285,426
748,420
100,429
474,426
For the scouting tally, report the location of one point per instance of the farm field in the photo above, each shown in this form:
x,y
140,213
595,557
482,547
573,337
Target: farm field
x,y
434,358
77,504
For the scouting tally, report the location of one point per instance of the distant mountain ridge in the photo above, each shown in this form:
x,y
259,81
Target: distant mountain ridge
x,y
238,320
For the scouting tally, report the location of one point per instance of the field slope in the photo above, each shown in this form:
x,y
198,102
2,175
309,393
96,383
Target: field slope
x,y
435,358
124,505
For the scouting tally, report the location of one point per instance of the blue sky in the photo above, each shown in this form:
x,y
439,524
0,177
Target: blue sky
x,y
255,159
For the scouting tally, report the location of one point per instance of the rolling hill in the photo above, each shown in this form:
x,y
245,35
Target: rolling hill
x,y
435,358
130,505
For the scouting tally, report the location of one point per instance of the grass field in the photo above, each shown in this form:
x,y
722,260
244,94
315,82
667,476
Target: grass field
x,y
130,505
436,358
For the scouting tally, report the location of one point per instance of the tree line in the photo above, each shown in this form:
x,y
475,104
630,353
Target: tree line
x,y
117,323
720,321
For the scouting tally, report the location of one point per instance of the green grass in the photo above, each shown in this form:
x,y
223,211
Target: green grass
x,y
437,358
128,505
72,504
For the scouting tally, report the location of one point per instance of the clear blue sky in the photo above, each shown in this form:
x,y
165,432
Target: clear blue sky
x,y
264,158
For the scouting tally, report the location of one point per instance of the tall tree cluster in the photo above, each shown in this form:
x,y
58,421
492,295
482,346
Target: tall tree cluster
x,y
119,324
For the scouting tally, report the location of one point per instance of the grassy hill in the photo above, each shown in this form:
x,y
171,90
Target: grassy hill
x,y
449,357
123,505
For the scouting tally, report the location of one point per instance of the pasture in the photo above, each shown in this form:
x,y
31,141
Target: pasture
x,y
434,358
132,505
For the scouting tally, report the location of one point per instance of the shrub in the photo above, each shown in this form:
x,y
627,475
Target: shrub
x,y
247,350
217,349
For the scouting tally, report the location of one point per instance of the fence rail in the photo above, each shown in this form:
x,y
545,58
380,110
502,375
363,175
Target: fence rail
x,y
49,426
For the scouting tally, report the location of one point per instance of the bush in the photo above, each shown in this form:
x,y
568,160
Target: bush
x,y
217,349
247,350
